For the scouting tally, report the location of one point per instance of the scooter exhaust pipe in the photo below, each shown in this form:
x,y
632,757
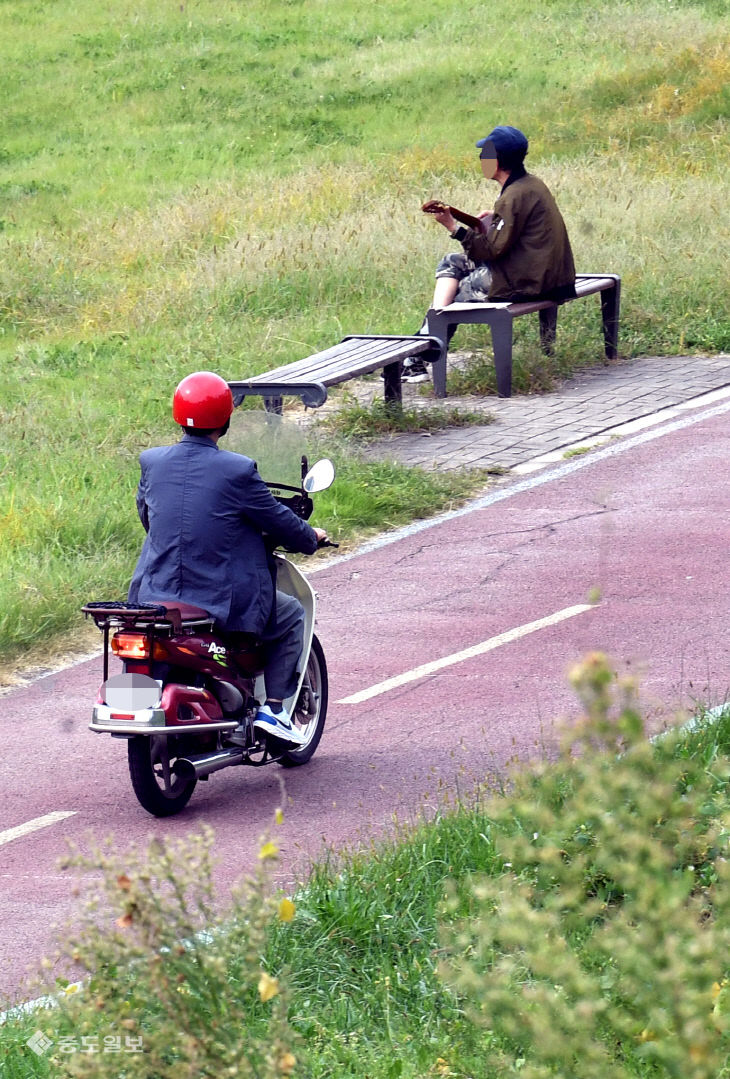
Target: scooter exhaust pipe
x,y
200,765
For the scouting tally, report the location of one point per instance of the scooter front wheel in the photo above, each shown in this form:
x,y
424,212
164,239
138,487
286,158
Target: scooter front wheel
x,y
311,709
151,768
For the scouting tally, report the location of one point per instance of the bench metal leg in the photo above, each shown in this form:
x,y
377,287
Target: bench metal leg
x,y
548,329
610,308
392,389
438,373
437,326
500,323
274,404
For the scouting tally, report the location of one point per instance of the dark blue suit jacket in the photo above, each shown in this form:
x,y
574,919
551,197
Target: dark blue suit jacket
x,y
204,511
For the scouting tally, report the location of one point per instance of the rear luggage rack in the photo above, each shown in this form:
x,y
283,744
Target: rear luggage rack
x,y
116,612
153,618
125,612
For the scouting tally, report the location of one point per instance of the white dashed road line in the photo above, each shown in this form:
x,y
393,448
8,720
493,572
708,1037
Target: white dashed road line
x,y
34,825
435,665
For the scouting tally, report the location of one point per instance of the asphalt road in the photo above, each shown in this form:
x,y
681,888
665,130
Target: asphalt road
x,y
448,647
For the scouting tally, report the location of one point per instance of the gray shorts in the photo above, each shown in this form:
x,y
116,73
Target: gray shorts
x,y
474,278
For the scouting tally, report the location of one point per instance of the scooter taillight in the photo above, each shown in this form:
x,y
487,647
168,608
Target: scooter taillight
x,y
129,645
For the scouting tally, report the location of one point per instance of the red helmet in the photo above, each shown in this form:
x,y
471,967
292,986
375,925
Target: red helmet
x,y
202,400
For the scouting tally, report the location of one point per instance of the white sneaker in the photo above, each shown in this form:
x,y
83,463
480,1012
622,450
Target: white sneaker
x,y
415,370
278,724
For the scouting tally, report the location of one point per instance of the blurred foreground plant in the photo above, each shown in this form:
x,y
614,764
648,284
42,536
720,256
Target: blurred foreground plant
x,y
602,949
196,1001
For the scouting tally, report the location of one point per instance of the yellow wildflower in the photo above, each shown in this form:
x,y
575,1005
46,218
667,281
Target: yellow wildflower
x,y
287,1063
268,986
286,910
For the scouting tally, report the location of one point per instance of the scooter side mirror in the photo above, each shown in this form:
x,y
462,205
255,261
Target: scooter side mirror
x,y
320,476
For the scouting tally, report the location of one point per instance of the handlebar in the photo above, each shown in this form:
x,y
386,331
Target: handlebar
x,y
299,503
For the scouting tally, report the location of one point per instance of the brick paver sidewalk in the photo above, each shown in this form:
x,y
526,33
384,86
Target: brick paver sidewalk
x,y
594,404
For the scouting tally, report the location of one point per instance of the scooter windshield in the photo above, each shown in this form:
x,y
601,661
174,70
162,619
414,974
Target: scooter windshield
x,y
276,443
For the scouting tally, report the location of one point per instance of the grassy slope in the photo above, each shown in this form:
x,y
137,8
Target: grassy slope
x,y
232,186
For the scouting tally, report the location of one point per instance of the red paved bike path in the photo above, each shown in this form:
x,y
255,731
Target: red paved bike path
x,y
647,525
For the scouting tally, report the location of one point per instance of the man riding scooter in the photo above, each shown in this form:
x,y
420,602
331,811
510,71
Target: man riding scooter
x,y
205,511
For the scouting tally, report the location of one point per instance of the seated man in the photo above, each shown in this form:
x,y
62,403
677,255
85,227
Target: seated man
x,y
522,251
205,511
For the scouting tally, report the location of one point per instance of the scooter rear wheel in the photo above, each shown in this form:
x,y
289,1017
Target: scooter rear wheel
x,y
151,769
311,710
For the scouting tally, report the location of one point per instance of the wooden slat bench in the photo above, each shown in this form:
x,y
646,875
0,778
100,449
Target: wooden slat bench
x,y
354,356
500,316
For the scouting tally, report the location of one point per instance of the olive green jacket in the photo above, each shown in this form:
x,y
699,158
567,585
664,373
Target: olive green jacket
x,y
526,244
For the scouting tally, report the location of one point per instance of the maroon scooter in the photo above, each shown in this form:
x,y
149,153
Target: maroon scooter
x,y
183,688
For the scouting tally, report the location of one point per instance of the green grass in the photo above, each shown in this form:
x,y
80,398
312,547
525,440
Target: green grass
x,y
236,186
579,451
363,423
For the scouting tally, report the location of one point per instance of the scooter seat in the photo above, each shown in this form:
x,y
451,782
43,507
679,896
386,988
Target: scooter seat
x,y
184,612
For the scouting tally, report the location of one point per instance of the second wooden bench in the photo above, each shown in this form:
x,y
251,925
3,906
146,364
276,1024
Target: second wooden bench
x,y
356,355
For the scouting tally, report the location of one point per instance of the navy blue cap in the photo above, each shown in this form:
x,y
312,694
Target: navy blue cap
x,y
509,141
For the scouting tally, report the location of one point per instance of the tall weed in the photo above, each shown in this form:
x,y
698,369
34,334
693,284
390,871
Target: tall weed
x,y
171,995
601,950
